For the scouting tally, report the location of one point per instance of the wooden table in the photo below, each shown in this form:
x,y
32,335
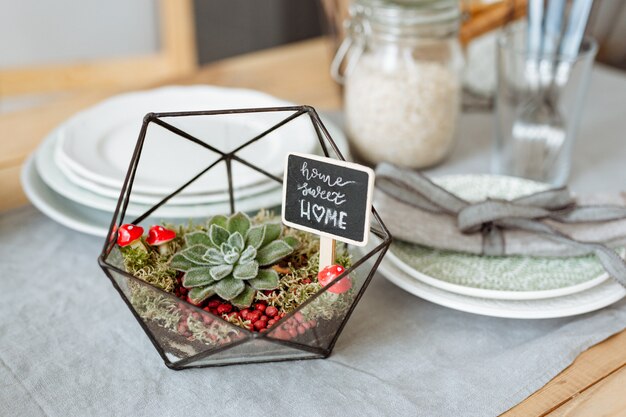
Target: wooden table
x,y
594,385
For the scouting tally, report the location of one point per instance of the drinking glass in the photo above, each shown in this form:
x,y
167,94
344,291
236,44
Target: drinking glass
x,y
528,155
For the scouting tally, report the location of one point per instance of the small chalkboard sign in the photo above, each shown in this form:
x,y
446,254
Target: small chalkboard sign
x,y
328,197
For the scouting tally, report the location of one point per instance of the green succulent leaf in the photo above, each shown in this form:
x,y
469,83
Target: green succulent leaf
x,y
272,231
273,252
239,222
218,235
198,277
213,257
246,271
247,255
195,254
292,241
231,257
267,279
236,241
255,236
199,294
180,263
220,271
198,238
219,220
229,288
244,299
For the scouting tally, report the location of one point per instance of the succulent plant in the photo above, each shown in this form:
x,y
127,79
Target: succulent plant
x,y
233,259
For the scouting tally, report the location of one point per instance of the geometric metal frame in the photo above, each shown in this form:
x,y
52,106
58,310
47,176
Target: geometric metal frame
x,y
377,228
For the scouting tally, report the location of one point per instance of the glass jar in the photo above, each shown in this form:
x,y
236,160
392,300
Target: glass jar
x,y
401,64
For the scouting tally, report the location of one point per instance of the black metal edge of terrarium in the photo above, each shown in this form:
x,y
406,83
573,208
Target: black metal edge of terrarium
x,y
123,201
124,198
224,156
156,118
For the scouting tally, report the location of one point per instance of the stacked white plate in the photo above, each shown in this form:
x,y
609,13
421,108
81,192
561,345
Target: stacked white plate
x,y
76,175
501,286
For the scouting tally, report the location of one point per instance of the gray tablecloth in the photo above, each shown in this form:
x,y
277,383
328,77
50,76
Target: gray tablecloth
x,y
69,347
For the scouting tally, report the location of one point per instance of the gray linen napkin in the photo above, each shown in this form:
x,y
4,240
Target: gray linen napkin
x,y
440,230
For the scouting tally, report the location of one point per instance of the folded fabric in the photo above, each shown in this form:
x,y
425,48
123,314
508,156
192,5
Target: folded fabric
x,y
548,223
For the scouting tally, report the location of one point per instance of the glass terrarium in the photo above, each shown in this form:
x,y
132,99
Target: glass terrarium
x,y
190,169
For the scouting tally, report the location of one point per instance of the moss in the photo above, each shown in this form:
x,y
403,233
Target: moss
x,y
150,267
298,282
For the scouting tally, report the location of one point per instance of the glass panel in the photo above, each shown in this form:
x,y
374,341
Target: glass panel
x,y
317,323
180,329
188,336
253,351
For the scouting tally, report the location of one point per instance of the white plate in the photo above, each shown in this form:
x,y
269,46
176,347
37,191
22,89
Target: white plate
x,y
146,199
498,277
80,185
54,178
494,294
96,222
97,143
592,299
60,209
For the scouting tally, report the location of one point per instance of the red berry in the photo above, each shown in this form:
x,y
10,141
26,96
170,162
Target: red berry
x,y
254,315
214,304
260,324
271,322
260,307
306,281
244,313
224,308
271,311
263,318
233,314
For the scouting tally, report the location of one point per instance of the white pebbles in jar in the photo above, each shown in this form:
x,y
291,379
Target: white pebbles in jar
x,y
402,80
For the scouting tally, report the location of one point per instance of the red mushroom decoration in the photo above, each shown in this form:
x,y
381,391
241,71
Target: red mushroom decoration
x,y
159,236
328,274
130,235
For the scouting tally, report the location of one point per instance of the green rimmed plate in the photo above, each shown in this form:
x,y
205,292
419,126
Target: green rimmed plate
x,y
496,277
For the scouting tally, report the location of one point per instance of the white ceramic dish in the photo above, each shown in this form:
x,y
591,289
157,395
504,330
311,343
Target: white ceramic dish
x,y
97,143
150,199
595,298
96,222
60,209
497,277
56,178
495,294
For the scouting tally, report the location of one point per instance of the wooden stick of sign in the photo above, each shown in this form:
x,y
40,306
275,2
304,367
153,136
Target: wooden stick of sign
x,y
327,251
330,198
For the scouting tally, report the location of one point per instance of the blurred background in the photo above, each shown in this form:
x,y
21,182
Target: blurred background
x,y
67,54
119,43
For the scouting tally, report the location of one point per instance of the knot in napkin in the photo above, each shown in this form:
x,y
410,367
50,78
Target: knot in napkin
x,y
490,218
